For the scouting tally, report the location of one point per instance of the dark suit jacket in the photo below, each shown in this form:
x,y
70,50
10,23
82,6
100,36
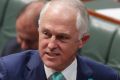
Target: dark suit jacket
x,y
28,66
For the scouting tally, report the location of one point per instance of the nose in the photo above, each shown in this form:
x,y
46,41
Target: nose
x,y
52,43
24,46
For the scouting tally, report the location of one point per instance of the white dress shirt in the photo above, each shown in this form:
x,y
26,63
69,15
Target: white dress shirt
x,y
69,73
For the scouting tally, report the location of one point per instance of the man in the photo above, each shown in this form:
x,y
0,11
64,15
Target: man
x,y
26,28
63,29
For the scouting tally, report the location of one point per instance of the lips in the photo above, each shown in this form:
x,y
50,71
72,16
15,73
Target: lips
x,y
52,54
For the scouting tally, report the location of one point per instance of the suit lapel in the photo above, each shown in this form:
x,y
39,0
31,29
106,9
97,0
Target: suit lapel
x,y
34,69
83,70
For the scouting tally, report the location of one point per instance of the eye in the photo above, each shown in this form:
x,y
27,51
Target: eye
x,y
63,38
47,34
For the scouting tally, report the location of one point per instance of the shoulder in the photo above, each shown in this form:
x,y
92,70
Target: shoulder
x,y
18,57
99,70
15,63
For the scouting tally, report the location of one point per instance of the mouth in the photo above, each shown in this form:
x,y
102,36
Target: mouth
x,y
52,54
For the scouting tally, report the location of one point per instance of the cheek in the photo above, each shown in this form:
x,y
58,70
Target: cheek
x,y
18,40
70,49
68,55
41,49
42,45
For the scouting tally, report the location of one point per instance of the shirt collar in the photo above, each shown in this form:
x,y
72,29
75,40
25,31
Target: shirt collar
x,y
69,73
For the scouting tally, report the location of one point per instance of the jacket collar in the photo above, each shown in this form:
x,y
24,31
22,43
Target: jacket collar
x,y
34,68
84,72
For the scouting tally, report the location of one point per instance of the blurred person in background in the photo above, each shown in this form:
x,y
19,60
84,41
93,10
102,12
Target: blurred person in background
x,y
26,28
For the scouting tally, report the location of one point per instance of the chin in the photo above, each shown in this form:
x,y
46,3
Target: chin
x,y
50,64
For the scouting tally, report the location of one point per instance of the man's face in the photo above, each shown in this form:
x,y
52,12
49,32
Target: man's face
x,y
58,41
27,34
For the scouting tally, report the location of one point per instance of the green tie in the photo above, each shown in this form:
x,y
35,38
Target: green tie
x,y
57,76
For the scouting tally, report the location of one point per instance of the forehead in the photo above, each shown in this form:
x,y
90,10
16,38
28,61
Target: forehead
x,y
62,18
59,12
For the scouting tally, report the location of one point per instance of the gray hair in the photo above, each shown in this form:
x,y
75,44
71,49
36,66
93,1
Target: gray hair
x,y
82,19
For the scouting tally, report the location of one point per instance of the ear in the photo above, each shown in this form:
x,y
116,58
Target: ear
x,y
83,40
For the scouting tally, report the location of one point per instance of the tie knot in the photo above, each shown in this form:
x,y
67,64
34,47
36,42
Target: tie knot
x,y
57,76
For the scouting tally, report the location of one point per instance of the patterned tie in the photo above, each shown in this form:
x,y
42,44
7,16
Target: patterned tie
x,y
57,76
